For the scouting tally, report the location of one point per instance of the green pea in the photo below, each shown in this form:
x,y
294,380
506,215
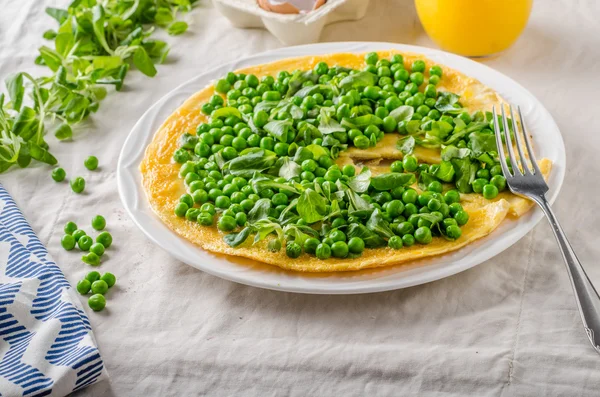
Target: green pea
x,y
310,245
92,276
405,228
104,238
423,235
181,209
192,214
435,186
455,208
77,234
222,86
109,279
496,170
70,227
200,196
451,196
97,302
435,70
91,163
402,75
98,222
395,208
361,142
241,218
418,66
356,245
434,204
85,242
222,202
371,92
271,96
205,218
59,174
337,235
279,199
499,181
478,185
453,232
68,242
349,170
77,184
417,78
91,259
408,240
323,251
97,249
395,242
339,249
461,217
389,124
84,286
490,191
293,249
410,196
99,287
434,80
410,163
371,58
226,223
483,173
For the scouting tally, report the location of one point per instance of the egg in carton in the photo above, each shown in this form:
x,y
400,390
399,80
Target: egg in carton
x,y
293,22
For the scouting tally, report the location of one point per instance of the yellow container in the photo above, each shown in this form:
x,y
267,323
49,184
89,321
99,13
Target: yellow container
x,y
474,28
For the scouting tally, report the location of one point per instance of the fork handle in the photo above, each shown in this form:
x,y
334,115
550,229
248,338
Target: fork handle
x,y
586,295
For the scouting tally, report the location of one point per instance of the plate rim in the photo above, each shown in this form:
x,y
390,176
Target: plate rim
x,y
559,167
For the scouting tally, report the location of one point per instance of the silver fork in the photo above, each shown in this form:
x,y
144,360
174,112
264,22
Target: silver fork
x,y
530,184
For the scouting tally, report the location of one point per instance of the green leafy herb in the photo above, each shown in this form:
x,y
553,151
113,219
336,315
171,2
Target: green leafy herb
x,y
406,145
446,101
445,172
371,239
311,207
248,164
378,225
329,125
361,182
452,152
358,80
465,171
259,211
94,44
278,129
237,239
402,113
392,180
482,143
225,112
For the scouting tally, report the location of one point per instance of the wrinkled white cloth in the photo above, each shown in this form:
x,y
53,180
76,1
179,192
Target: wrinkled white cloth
x,y
507,327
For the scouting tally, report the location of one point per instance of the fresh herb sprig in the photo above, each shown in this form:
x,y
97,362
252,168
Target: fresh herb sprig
x,y
94,46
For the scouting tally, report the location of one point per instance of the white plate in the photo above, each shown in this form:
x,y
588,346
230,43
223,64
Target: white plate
x,y
539,122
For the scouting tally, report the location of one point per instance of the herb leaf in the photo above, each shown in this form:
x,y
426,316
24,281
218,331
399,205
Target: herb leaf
x,y
278,129
311,206
392,180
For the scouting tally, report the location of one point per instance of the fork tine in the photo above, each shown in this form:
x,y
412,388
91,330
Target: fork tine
x,y
523,159
499,144
509,147
534,163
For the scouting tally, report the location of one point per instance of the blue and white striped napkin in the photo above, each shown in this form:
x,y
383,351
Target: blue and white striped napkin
x,y
46,343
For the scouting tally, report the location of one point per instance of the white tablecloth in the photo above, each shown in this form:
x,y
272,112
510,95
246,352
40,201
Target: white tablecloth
x,y
507,327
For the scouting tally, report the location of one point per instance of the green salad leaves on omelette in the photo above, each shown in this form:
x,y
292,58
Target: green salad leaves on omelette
x,y
330,163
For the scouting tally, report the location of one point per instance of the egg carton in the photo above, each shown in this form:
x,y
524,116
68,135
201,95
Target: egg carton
x,y
291,29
